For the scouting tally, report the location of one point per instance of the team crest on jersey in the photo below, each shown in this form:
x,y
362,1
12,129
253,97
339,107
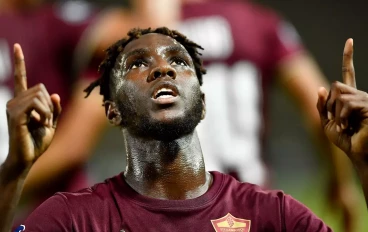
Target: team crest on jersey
x,y
229,223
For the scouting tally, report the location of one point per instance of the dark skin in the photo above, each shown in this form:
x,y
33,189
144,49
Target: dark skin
x,y
165,169
32,118
344,116
156,168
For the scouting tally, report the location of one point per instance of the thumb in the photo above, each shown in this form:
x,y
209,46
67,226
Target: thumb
x,y
321,105
55,98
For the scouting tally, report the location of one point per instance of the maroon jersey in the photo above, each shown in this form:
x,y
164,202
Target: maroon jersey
x,y
49,37
243,44
227,206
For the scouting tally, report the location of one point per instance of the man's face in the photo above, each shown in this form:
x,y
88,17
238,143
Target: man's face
x,y
156,89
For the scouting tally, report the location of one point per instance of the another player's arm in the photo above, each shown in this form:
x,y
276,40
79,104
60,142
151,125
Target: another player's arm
x,y
114,23
143,14
32,116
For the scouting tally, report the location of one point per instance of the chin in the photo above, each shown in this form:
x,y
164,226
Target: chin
x,y
166,126
168,116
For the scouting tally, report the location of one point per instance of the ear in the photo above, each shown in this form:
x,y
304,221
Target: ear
x,y
204,105
112,113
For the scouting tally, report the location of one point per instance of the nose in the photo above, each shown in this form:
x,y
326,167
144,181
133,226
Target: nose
x,y
161,71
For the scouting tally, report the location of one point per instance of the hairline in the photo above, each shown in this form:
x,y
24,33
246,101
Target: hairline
x,y
109,62
176,46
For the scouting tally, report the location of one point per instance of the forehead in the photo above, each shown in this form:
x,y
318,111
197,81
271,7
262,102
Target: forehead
x,y
152,41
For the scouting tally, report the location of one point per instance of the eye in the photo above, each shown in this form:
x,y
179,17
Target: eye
x,y
137,64
178,61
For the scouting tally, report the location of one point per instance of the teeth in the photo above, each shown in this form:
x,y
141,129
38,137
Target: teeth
x,y
164,93
164,90
165,96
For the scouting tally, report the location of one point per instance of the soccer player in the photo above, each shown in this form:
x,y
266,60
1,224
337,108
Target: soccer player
x,y
59,40
151,86
247,49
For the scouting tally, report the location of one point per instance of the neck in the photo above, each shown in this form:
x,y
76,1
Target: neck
x,y
172,170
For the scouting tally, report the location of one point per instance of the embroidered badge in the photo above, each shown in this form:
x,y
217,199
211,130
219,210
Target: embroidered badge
x,y
229,223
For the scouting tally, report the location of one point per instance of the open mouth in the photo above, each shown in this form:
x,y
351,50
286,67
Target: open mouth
x,y
164,93
165,90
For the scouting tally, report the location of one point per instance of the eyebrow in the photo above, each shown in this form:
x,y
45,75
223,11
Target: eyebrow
x,y
168,49
174,48
139,51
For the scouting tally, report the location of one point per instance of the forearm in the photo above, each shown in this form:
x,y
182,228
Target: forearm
x,y
362,170
341,169
11,185
156,13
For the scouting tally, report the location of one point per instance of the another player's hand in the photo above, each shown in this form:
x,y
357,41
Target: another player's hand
x,y
32,116
344,112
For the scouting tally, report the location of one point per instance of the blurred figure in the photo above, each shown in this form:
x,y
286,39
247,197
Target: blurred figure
x,y
61,40
246,49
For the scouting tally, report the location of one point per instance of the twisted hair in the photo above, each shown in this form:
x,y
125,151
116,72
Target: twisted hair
x,y
113,52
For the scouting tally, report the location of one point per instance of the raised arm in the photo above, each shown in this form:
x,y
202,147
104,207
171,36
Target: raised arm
x,y
344,117
32,116
301,77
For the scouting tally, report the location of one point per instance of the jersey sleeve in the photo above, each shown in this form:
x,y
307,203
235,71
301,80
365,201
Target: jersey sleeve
x,y
283,40
297,217
52,215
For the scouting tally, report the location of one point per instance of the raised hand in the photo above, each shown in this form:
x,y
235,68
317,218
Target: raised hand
x,y
32,116
344,112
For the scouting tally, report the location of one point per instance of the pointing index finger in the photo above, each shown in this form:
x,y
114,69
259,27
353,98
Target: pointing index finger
x,y
348,73
20,78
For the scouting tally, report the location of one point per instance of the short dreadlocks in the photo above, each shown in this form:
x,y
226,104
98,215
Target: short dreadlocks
x,y
113,52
